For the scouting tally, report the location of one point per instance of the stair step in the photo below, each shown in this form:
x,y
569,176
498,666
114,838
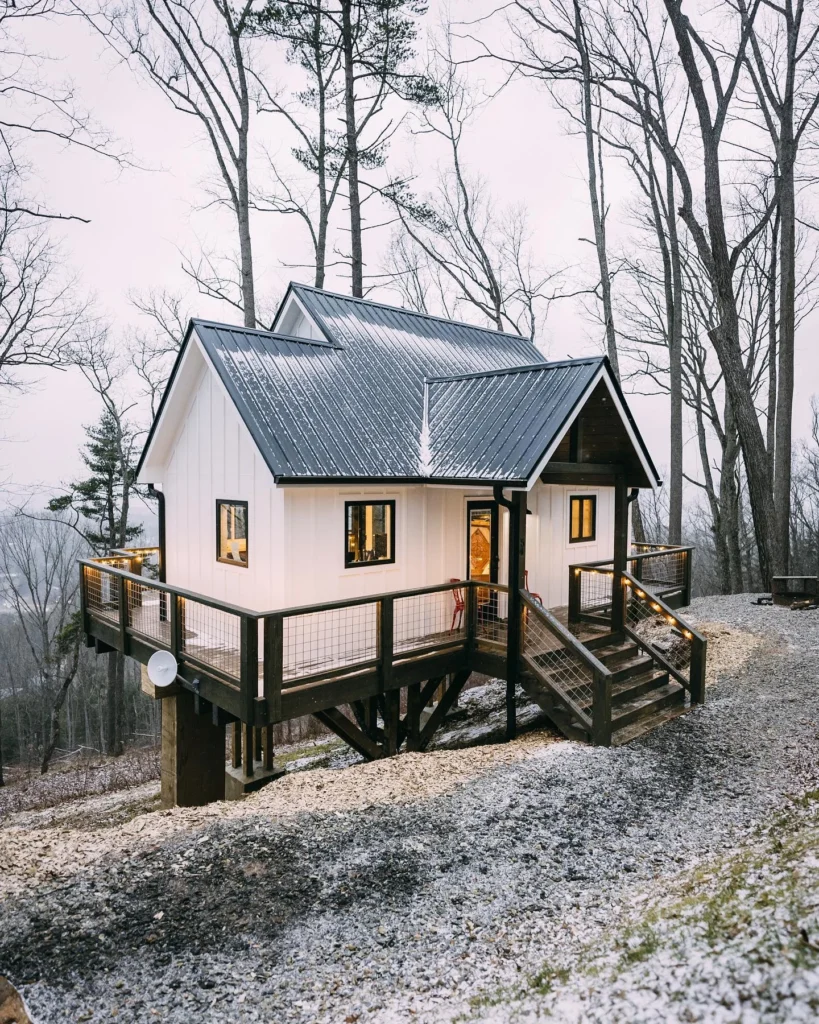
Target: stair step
x,y
644,726
627,690
613,655
648,705
637,665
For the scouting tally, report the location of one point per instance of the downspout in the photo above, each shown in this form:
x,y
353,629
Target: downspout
x,y
160,502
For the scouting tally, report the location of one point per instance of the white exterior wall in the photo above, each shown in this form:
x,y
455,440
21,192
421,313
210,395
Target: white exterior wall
x,y
214,458
296,534
548,550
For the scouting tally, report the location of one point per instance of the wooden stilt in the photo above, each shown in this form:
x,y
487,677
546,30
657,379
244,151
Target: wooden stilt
x,y
257,744
267,745
247,749
392,717
236,759
413,716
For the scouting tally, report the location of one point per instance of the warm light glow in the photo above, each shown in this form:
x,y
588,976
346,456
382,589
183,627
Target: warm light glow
x,y
687,635
577,572
641,593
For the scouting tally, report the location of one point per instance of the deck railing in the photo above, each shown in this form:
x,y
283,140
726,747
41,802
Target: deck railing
x,y
665,635
663,568
251,663
568,669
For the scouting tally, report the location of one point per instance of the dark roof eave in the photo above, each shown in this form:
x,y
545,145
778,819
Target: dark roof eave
x,y
400,480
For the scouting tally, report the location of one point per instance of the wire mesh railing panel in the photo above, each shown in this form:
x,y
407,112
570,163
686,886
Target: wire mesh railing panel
x,y
563,669
422,620
491,614
595,590
659,629
211,635
101,593
316,642
661,568
148,611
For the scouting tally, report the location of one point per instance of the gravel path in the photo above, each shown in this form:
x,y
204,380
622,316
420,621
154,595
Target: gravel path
x,y
423,903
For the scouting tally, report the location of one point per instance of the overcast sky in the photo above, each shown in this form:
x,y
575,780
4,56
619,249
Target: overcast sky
x,y
141,219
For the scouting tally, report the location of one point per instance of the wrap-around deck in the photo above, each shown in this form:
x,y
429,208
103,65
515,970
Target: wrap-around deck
x,y
258,669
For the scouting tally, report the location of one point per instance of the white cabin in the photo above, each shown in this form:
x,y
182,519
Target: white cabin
x,y
358,449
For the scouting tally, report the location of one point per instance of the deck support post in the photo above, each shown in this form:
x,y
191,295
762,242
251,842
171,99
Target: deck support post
x,y
392,720
192,763
413,716
517,578
618,591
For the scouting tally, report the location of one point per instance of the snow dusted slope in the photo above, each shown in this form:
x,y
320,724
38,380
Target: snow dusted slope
x,y
482,883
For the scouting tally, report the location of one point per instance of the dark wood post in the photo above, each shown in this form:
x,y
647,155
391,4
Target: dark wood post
x,y
122,608
517,576
575,583
385,641
392,718
249,681
177,624
273,665
413,716
618,595
267,747
601,710
236,751
686,594
696,670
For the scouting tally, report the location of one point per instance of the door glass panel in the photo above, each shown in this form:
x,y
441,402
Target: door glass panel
x,y
480,550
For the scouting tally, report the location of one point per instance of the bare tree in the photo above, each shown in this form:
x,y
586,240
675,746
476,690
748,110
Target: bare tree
x,y
458,248
783,64
197,53
39,313
313,44
38,579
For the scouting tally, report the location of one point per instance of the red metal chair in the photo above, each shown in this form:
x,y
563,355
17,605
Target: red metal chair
x,y
535,597
458,613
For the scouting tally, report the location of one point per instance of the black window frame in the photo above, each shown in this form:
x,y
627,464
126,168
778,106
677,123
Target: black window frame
x,y
581,539
232,561
379,561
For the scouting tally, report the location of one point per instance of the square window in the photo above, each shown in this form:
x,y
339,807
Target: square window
x,y
231,532
582,518
369,532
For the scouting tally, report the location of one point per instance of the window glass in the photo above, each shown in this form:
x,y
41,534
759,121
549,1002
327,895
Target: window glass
x,y
582,518
231,532
369,532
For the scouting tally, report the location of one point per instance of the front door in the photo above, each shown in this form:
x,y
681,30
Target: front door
x,y
482,551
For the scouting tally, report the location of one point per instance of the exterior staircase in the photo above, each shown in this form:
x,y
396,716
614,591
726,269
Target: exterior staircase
x,y
643,695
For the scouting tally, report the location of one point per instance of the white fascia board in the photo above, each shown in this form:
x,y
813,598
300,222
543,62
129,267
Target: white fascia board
x,y
650,473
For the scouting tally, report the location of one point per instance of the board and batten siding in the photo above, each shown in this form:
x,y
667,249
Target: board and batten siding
x,y
215,458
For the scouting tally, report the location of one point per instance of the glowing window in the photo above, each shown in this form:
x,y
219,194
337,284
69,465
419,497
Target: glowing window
x,y
369,532
231,532
582,518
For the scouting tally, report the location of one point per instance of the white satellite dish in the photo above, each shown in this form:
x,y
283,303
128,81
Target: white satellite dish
x,y
162,668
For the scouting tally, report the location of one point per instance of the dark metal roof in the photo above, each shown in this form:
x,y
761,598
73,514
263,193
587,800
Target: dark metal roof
x,y
352,406
499,425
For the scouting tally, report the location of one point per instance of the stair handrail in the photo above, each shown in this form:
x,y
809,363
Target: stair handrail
x,y
695,682
600,721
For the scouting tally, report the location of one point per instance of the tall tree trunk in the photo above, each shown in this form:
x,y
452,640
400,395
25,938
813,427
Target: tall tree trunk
x,y
111,745
356,251
56,708
243,192
675,483
770,435
729,501
787,332
2,781
594,167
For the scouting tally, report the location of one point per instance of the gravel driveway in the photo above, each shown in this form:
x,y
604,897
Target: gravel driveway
x,y
421,910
